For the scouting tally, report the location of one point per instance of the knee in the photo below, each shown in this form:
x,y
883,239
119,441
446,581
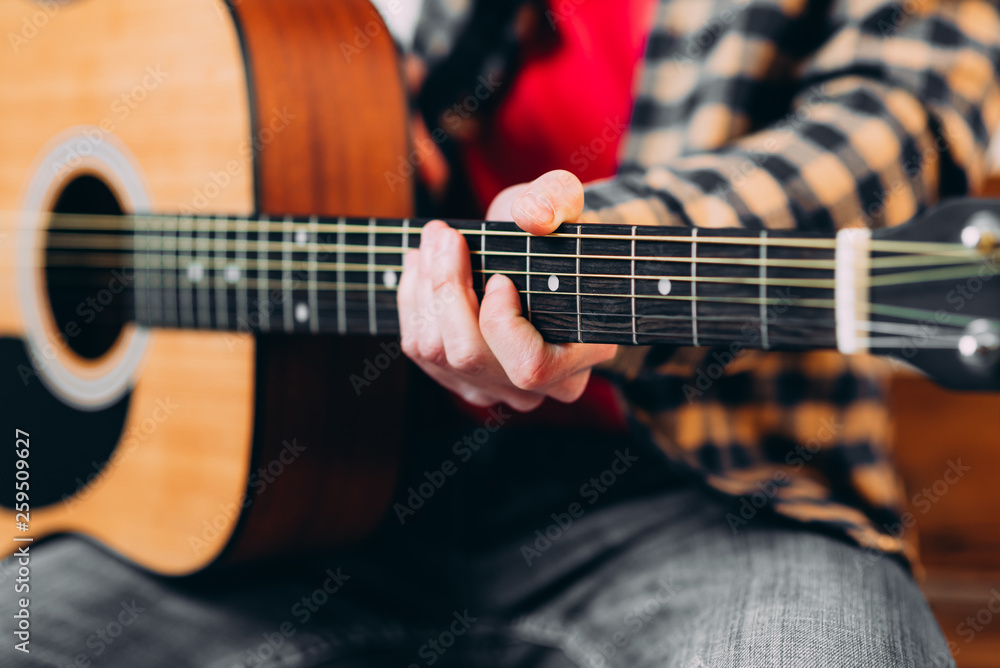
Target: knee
x,y
827,602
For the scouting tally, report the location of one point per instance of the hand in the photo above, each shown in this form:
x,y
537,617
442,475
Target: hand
x,y
489,353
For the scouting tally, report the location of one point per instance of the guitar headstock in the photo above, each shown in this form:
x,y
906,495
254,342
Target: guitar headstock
x,y
935,293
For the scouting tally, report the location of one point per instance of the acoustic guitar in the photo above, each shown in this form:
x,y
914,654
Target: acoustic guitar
x,y
205,210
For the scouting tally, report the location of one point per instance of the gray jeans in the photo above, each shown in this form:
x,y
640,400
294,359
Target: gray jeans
x,y
542,549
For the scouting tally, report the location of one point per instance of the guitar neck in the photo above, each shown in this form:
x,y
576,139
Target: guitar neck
x,y
586,283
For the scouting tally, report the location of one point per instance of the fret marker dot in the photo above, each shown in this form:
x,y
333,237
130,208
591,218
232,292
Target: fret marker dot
x,y
389,278
301,238
195,272
232,274
301,312
553,282
664,286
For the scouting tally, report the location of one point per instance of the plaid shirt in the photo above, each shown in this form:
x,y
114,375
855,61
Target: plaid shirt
x,y
812,114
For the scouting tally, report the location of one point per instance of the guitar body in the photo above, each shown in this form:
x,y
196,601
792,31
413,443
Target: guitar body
x,y
181,449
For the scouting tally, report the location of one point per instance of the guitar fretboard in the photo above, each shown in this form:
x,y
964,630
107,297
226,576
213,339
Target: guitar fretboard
x,y
586,283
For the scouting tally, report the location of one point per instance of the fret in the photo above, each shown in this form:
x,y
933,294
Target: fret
x,y
635,334
155,265
263,274
200,271
724,272
482,254
511,264
579,310
341,296
387,242
139,259
405,242
185,247
288,299
527,266
300,304
372,321
694,286
242,299
790,320
231,273
219,274
313,268
169,245
764,340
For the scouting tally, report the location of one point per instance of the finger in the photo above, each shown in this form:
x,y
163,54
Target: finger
x,y
570,389
525,402
480,394
430,345
456,301
550,200
530,362
406,302
473,394
500,206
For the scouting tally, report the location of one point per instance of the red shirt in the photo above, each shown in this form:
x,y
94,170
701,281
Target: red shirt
x,y
568,108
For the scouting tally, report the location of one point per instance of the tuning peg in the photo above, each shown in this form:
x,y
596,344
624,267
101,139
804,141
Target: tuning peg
x,y
982,232
980,344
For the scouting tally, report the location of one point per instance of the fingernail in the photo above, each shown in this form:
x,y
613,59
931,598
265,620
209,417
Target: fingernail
x,y
428,240
533,208
493,284
445,238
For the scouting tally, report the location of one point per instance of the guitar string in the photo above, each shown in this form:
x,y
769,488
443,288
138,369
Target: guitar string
x,y
903,260
889,310
906,334
872,326
122,241
194,244
71,259
964,270
869,343
904,337
335,288
899,328
337,285
206,243
217,263
276,224
126,237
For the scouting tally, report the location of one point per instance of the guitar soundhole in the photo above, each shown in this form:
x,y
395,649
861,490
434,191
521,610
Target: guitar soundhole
x,y
88,267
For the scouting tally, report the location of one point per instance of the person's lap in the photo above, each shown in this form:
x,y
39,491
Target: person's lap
x,y
638,578
696,595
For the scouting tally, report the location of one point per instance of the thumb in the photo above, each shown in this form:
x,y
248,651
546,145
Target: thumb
x,y
549,201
